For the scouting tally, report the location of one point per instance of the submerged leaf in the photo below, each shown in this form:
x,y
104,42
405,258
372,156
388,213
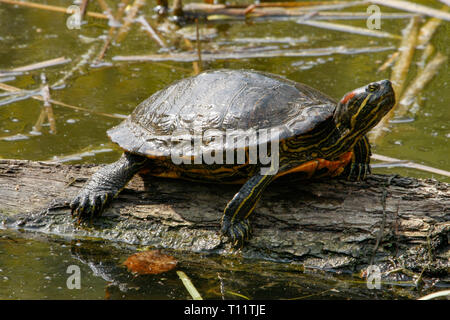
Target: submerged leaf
x,y
150,262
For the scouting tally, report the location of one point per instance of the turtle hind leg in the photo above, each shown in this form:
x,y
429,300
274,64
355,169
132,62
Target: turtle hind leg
x,y
105,185
359,167
235,221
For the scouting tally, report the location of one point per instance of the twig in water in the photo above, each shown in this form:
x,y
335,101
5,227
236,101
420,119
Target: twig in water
x,y
199,50
264,9
405,271
237,295
102,52
40,65
407,47
312,295
293,4
83,8
258,14
336,6
195,59
48,108
46,111
85,58
389,62
39,97
421,80
399,72
408,164
189,286
169,66
212,56
413,7
51,8
78,156
38,125
428,29
439,294
348,28
249,9
129,19
147,27
112,30
426,54
17,96
106,9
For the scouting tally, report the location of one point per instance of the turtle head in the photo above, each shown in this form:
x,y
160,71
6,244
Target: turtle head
x,y
361,109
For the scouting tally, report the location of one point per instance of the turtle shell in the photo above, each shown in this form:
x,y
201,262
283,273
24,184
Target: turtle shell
x,y
221,102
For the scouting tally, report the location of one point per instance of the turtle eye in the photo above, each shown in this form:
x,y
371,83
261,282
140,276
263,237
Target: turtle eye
x,y
373,87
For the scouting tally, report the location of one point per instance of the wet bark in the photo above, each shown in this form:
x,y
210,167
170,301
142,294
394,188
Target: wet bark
x,y
394,222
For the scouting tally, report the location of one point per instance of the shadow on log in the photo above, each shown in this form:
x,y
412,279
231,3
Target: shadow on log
x,y
394,222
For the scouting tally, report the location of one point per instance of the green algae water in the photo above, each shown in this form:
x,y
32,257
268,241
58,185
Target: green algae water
x,y
35,267
41,267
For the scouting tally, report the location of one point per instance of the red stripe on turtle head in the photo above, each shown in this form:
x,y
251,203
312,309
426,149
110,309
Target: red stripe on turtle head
x,y
348,97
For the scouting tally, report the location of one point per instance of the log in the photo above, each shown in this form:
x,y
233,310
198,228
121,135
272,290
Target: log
x,y
390,221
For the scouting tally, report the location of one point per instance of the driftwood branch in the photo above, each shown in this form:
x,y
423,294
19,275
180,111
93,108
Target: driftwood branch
x,y
395,221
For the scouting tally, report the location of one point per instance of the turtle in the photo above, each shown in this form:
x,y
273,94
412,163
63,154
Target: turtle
x,y
193,130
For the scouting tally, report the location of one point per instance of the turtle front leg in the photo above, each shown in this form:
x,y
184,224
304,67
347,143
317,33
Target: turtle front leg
x,y
105,185
235,222
359,167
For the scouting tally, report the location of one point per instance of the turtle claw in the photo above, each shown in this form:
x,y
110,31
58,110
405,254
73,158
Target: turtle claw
x,y
237,232
88,204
